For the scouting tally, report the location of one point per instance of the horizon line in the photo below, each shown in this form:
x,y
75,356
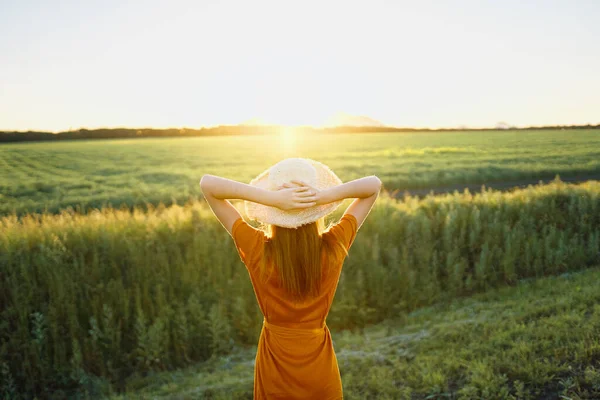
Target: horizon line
x,y
505,126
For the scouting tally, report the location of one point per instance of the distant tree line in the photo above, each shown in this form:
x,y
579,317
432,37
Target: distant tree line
x,y
224,130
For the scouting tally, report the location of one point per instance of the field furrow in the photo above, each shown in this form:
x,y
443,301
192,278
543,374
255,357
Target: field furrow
x,y
154,170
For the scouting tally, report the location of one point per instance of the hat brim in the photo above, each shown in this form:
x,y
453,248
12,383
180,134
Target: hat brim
x,y
326,178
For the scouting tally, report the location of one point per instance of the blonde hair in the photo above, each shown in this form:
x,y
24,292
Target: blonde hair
x,y
298,255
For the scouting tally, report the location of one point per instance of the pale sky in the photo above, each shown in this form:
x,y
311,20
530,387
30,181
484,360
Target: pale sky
x,y
73,64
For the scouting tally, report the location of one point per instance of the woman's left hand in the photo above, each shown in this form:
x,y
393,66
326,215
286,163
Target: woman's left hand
x,y
291,197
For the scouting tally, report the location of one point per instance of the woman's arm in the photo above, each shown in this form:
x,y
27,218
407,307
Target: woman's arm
x,y
358,188
223,188
217,190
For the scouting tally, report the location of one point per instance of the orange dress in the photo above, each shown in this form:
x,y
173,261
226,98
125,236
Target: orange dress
x,y
295,358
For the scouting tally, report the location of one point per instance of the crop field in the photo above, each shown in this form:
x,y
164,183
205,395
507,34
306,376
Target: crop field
x,y
462,296
93,303
91,174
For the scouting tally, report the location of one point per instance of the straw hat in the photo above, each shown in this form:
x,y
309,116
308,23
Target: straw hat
x,y
309,171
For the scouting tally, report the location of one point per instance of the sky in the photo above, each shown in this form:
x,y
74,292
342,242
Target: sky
x,y
158,64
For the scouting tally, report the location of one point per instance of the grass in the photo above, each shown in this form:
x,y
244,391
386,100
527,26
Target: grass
x,y
91,174
91,301
537,340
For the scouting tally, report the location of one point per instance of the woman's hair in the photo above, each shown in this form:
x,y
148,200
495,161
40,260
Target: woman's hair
x,y
297,255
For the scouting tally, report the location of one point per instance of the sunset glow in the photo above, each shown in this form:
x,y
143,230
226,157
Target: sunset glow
x,y
191,64
288,141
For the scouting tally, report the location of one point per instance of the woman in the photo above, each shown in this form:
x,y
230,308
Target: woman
x,y
294,263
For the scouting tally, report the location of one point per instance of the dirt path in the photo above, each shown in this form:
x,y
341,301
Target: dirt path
x,y
501,185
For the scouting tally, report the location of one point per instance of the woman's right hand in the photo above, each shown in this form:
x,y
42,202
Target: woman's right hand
x,y
294,196
310,190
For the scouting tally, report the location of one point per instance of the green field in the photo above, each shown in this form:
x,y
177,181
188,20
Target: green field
x,y
53,176
152,300
93,302
538,340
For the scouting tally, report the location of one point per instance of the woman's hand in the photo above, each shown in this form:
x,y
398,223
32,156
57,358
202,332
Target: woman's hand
x,y
295,195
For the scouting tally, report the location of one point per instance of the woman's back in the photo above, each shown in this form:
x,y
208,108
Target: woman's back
x,y
295,356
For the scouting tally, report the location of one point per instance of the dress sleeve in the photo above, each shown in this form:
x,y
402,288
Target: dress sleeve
x,y
346,229
248,241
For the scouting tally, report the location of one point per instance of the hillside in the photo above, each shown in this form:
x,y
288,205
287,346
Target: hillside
x,y
343,119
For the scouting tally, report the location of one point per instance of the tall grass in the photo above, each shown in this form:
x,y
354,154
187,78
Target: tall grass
x,y
88,301
539,339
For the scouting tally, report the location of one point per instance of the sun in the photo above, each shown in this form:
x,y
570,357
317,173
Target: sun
x,y
288,140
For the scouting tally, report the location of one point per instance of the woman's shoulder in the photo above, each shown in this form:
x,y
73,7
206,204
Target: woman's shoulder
x,y
344,230
248,240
